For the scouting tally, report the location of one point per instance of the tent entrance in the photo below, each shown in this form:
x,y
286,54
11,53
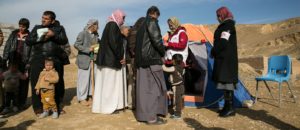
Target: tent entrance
x,y
196,73
194,77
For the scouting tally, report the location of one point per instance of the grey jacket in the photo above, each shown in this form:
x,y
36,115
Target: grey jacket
x,y
82,44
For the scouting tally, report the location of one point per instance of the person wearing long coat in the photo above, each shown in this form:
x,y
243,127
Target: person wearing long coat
x,y
151,99
84,44
110,84
225,71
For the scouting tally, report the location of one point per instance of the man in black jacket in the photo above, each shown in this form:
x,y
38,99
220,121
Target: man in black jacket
x,y
46,41
151,88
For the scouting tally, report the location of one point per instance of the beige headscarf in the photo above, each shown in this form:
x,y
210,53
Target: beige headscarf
x,y
175,22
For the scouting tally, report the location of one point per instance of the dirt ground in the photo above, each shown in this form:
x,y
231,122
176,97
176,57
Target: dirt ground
x,y
264,115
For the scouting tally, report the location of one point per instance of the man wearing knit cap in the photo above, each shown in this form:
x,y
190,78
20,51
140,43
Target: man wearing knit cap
x,y
85,42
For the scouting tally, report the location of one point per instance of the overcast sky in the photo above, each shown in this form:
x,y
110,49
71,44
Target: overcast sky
x,y
74,14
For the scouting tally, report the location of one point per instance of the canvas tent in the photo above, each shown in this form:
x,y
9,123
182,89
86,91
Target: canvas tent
x,y
200,89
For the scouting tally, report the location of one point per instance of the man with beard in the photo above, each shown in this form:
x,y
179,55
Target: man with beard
x,y
46,41
151,99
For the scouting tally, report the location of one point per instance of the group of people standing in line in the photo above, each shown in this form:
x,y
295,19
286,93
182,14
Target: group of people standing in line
x,y
123,69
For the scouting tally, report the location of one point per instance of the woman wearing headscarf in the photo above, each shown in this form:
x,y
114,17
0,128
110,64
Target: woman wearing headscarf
x,y
177,41
225,71
84,42
110,89
176,44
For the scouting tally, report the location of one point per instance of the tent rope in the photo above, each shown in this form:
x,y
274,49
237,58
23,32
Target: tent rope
x,y
213,102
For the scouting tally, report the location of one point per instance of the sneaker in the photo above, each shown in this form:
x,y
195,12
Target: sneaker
x,y
175,117
15,109
55,115
44,114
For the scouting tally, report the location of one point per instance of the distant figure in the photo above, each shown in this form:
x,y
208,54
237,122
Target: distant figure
x,y
110,86
11,84
47,45
16,50
151,91
84,43
130,63
45,87
224,52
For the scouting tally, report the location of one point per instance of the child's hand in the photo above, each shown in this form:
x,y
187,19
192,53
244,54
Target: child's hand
x,y
46,78
37,92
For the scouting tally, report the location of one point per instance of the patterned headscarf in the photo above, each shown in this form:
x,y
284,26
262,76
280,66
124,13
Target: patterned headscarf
x,y
224,13
117,16
175,22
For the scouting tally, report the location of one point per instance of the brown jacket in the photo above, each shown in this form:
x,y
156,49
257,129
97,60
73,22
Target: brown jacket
x,y
52,77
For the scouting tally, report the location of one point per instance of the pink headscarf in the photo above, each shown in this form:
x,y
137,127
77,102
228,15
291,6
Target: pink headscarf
x,y
117,16
224,13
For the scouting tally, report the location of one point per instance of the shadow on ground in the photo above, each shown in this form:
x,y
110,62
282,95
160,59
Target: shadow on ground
x,y
70,93
262,115
21,126
198,126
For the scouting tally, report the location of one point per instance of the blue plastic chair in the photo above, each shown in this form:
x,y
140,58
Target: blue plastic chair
x,y
279,70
